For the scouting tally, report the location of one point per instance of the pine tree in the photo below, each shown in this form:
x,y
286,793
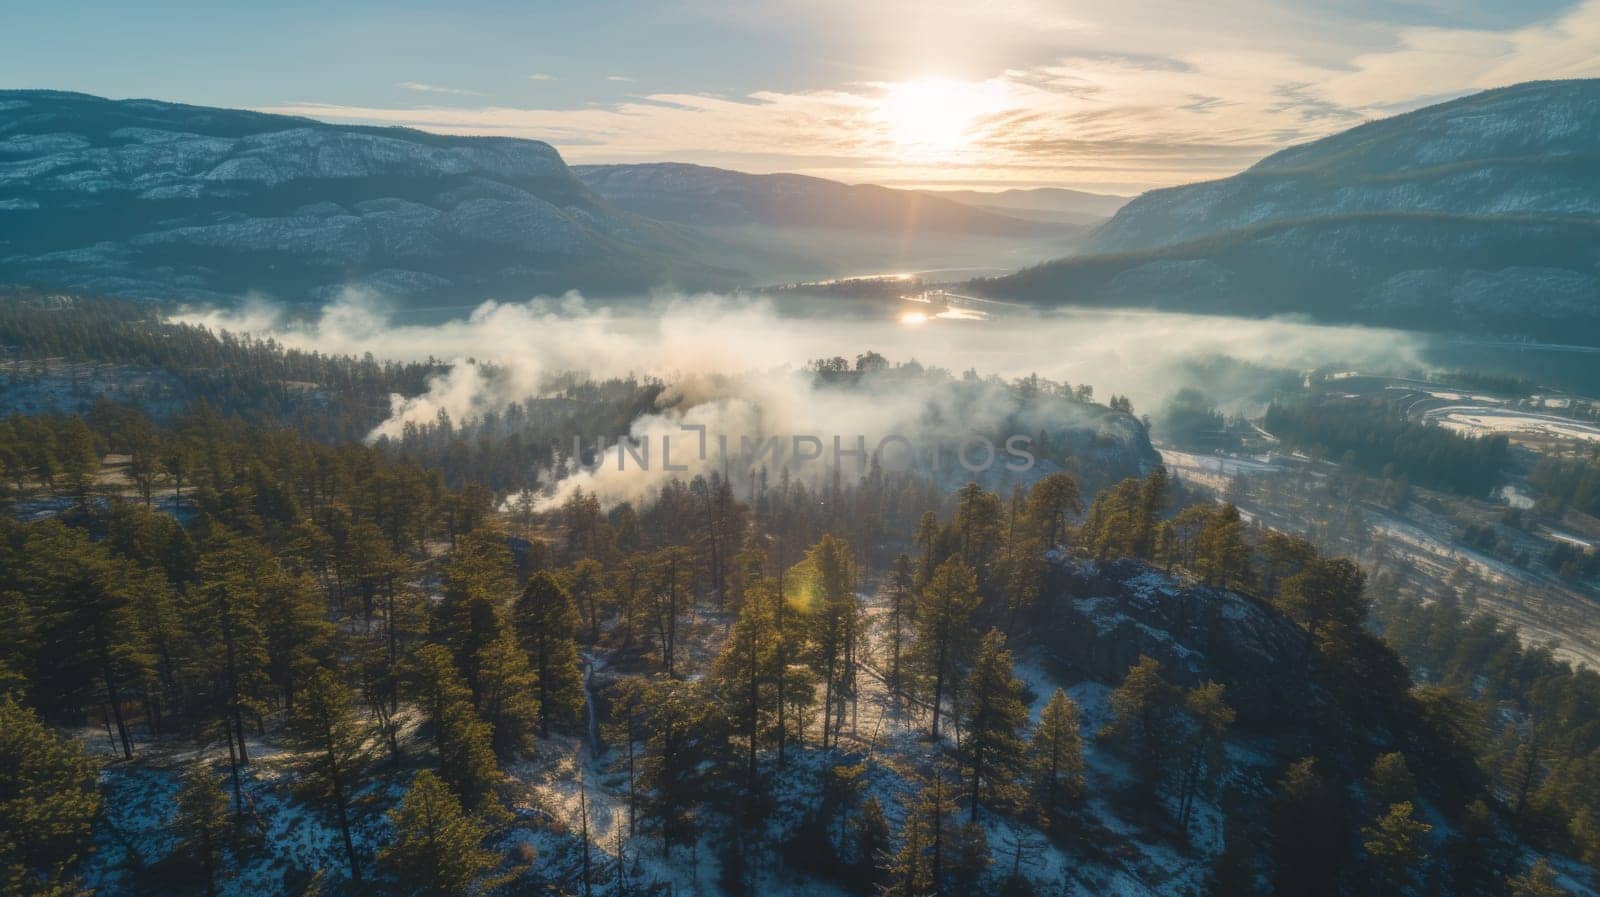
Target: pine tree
x,y
1326,595
509,701
1283,556
1153,496
1055,756
1397,842
685,741
978,524
669,594
586,582
1478,855
478,582
88,616
547,625
944,629
1144,711
871,831
223,613
901,582
1209,717
994,713
1390,780
971,860
922,865
48,802
380,692
1021,846
909,872
928,537
202,822
1122,519
436,851
465,742
78,456
835,627
625,731
294,633
746,671
1538,881
1307,824
1050,501
1223,556
323,724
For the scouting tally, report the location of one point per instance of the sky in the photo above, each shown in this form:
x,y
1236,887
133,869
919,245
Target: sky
x,y
1114,96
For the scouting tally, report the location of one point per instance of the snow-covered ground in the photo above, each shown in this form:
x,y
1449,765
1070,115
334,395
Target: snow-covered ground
x,y
1476,420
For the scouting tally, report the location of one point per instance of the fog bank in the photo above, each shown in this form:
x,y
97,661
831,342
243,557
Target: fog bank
x,y
735,365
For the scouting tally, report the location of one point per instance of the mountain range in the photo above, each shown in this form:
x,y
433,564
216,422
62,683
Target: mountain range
x,y
716,197
1055,204
161,200
790,227
1479,215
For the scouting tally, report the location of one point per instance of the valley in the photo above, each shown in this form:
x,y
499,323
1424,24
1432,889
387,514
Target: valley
x,y
401,511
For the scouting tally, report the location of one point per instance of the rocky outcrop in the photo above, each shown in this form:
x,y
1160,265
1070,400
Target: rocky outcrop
x,y
1099,618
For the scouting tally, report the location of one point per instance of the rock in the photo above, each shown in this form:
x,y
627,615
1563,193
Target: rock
x,y
1098,618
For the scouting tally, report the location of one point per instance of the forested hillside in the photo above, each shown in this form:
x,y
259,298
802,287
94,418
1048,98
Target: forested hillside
x,y
62,353
334,673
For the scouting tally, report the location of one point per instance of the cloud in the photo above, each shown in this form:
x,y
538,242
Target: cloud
x,y
541,76
623,78
1098,112
420,87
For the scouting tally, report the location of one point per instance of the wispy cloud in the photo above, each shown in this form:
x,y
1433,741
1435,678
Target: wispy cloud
x,y
1099,120
420,87
541,76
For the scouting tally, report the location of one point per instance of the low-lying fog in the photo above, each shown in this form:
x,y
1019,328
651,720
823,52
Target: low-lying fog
x,y
1139,354
736,364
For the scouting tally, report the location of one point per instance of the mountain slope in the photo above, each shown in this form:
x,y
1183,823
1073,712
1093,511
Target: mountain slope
x,y
790,227
1056,204
716,197
1479,214
152,199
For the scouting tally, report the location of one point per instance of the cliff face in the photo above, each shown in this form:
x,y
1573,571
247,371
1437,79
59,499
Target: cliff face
x,y
1098,618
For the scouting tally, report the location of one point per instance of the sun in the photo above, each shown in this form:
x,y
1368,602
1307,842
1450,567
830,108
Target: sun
x,y
935,116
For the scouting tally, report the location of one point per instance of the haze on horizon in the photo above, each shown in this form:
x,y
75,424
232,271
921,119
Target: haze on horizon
x,y
1110,97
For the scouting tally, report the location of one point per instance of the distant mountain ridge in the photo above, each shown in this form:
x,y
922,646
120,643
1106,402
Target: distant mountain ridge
x,y
805,228
717,197
1480,214
1056,204
153,199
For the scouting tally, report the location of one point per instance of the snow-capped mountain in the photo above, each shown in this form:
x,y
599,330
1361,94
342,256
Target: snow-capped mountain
x,y
1479,214
146,198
